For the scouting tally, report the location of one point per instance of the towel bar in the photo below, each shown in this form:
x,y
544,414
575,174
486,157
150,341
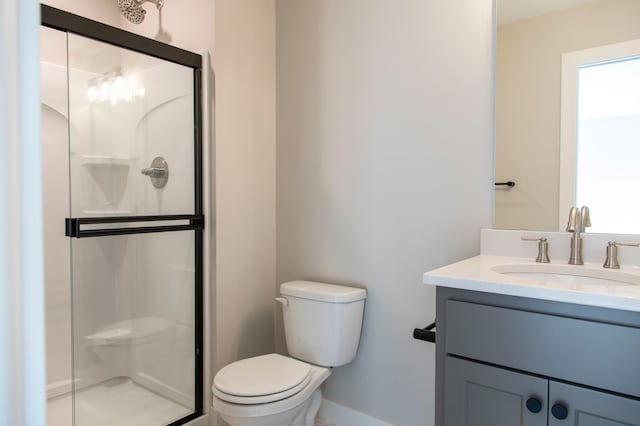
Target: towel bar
x,y
425,333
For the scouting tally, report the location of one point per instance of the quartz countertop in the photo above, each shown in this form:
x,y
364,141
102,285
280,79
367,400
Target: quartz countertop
x,y
478,274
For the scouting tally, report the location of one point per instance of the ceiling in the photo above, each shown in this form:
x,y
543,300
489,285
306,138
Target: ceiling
x,y
516,10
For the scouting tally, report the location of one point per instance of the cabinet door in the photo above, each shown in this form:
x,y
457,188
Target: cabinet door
x,y
585,407
480,395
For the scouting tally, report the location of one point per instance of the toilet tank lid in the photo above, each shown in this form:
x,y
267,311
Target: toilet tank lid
x,y
322,292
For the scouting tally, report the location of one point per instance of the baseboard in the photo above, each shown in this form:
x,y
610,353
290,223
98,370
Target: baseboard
x,y
338,415
58,388
63,387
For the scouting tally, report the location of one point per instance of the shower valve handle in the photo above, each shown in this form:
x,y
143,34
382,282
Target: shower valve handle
x,y
158,172
155,172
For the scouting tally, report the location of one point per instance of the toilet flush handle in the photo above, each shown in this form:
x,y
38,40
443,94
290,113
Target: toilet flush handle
x,y
283,300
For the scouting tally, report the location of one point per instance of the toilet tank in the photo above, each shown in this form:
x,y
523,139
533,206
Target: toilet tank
x,y
322,322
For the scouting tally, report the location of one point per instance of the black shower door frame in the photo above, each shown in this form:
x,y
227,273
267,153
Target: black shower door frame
x,y
70,23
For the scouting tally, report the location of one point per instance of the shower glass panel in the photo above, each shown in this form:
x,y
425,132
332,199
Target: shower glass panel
x,y
133,283
126,109
133,328
123,226
55,203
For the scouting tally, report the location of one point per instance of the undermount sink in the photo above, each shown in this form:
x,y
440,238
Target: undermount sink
x,y
568,274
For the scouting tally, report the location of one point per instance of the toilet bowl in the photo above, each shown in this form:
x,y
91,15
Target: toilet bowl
x,y
269,390
322,325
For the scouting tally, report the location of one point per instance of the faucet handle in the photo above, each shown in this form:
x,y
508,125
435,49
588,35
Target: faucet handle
x,y
585,217
611,261
543,248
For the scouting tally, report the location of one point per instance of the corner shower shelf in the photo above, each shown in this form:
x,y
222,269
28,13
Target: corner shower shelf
x,y
130,331
104,160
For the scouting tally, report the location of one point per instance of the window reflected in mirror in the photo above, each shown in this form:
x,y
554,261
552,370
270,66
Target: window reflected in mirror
x,y
600,133
531,39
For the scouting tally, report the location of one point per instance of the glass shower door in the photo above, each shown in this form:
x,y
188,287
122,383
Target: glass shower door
x,y
136,228
133,329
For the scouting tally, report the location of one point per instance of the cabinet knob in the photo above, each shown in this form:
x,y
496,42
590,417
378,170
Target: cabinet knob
x,y
559,411
534,404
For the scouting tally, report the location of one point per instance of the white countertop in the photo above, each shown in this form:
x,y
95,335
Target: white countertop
x,y
476,274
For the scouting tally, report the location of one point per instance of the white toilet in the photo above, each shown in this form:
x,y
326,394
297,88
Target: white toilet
x,y
322,324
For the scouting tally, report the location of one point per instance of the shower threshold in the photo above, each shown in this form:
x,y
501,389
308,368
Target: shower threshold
x,y
119,402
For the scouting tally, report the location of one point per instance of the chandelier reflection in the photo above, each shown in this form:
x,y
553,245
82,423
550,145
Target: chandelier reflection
x,y
114,88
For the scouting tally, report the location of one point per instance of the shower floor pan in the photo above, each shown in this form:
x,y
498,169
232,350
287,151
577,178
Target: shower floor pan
x,y
114,402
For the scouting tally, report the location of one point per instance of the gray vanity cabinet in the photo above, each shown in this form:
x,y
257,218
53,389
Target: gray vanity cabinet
x,y
511,361
587,407
480,395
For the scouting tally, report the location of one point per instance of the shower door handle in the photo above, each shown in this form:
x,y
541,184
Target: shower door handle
x,y
82,227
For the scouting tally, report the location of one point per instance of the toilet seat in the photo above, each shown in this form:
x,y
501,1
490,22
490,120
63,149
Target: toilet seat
x,y
261,379
318,376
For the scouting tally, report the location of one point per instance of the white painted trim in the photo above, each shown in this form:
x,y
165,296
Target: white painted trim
x,y
207,193
59,388
22,350
571,63
494,124
568,122
335,414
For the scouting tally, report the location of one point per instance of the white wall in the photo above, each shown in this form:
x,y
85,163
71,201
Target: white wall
x,y
529,55
384,154
244,62
98,10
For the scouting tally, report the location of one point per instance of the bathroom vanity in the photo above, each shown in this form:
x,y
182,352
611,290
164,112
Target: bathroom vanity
x,y
525,349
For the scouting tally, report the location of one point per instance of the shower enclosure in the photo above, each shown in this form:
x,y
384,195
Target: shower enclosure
x,y
121,144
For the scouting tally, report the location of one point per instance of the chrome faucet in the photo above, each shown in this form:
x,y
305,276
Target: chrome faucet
x,y
578,221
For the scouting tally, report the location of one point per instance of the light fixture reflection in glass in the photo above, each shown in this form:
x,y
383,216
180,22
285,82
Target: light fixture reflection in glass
x,y
115,89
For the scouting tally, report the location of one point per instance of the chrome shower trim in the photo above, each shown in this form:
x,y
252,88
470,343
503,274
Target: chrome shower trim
x,y
158,3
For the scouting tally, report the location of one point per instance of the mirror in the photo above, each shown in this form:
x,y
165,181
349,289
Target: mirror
x,y
532,38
